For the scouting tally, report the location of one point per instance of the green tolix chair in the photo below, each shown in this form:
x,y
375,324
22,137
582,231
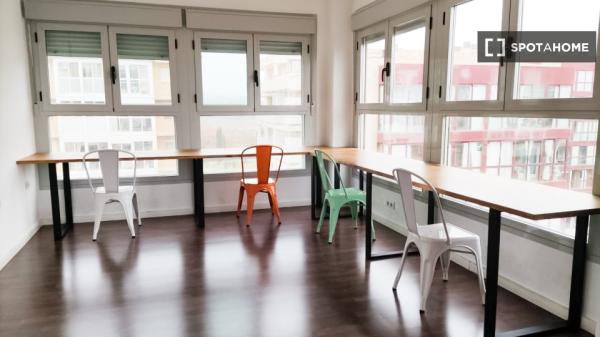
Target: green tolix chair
x,y
338,198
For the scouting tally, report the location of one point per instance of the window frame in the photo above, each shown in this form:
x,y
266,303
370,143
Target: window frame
x,y
304,107
44,85
402,23
200,107
557,104
443,55
374,30
114,61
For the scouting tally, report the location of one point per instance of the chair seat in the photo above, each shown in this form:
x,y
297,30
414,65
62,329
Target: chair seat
x,y
254,181
351,191
122,189
435,232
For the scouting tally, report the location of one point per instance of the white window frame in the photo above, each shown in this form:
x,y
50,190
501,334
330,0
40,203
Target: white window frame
x,y
306,97
200,107
557,104
116,87
377,29
406,22
45,78
444,21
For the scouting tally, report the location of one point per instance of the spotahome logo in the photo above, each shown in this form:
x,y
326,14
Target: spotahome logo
x,y
533,46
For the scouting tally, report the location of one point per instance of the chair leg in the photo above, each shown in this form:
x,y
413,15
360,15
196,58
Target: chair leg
x,y
428,262
354,212
399,274
373,236
274,205
480,273
137,209
249,206
128,208
334,212
445,262
99,208
323,210
270,197
240,199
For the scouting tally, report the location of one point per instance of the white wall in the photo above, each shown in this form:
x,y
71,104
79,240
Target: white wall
x,y
18,184
356,4
526,266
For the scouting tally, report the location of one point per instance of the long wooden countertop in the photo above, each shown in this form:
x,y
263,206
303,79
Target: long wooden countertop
x,y
529,200
526,199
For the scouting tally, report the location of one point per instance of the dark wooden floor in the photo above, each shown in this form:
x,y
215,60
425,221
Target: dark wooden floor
x,y
230,280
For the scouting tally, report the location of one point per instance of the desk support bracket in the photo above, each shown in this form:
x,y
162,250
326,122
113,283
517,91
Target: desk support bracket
x,y
199,192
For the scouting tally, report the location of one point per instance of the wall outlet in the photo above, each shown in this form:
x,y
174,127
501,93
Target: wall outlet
x,y
390,204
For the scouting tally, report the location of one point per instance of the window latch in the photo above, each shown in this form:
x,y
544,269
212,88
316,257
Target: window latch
x,y
113,74
385,71
256,78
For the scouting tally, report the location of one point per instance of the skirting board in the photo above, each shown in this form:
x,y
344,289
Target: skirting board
x,y
12,252
182,211
558,309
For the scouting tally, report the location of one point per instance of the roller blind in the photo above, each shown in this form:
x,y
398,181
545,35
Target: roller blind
x,y
223,46
142,47
280,47
75,44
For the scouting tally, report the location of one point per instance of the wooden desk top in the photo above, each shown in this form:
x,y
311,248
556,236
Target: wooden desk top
x,y
526,199
529,200
57,157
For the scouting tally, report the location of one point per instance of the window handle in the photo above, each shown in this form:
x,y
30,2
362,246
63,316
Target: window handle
x,y
256,78
385,71
113,74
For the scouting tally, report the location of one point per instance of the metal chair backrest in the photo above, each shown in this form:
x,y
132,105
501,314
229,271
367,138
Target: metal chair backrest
x,y
109,167
405,181
264,155
325,180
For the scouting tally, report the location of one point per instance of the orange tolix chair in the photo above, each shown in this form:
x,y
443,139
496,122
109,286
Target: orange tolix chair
x,y
262,183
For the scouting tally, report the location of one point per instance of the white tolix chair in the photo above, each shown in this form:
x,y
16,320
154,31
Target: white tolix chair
x,y
111,191
434,241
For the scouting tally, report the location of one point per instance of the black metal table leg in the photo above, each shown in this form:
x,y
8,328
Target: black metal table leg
x,y
361,186
336,176
491,280
430,208
59,230
368,215
313,188
578,272
199,192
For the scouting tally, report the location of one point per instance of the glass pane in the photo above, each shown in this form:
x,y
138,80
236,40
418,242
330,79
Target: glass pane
x,y
144,70
408,56
556,80
224,72
221,132
75,68
554,152
398,135
132,133
280,73
468,80
372,63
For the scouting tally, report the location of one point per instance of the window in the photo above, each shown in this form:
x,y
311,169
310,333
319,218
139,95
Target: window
x,y
90,133
144,67
540,80
466,79
281,65
225,66
541,150
74,67
220,132
371,67
398,135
